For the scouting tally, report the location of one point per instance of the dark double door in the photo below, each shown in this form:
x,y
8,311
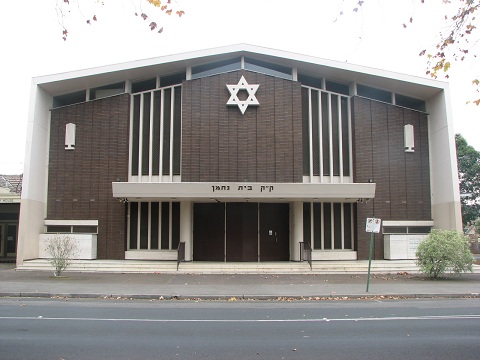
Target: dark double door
x,y
8,240
241,232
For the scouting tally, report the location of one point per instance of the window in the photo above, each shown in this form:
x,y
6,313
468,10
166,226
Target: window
x,y
144,85
267,68
107,90
59,229
71,229
153,225
407,229
326,134
410,102
328,226
156,134
216,68
174,79
310,81
85,229
338,88
70,99
373,93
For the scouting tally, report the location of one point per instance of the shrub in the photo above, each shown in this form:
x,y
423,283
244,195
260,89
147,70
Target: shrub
x,y
444,251
62,249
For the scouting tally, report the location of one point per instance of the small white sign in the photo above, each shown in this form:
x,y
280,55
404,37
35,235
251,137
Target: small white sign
x,y
373,225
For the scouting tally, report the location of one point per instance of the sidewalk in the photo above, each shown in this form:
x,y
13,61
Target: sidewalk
x,y
224,287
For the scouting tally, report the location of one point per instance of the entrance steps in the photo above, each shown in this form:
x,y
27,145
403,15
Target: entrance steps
x,y
202,267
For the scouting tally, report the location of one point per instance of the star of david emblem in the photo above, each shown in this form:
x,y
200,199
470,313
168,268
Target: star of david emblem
x,y
250,89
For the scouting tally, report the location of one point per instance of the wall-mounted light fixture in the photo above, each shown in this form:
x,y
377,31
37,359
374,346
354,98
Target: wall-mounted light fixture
x,y
70,130
409,138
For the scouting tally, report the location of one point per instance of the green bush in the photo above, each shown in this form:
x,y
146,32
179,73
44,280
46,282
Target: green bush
x,y
444,251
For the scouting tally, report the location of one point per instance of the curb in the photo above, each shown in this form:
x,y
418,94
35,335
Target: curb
x,y
336,297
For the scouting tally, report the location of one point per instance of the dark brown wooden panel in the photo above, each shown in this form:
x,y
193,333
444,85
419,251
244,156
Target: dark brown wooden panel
x,y
242,232
402,178
209,232
274,232
80,180
221,144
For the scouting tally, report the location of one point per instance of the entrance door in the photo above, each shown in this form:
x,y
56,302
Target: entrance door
x,y
242,232
274,232
11,240
209,232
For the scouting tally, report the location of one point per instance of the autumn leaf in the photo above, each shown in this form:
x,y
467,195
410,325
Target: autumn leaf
x,y
164,6
155,2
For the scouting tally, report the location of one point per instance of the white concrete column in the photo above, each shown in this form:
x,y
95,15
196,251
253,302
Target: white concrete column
x,y
33,207
186,228
296,230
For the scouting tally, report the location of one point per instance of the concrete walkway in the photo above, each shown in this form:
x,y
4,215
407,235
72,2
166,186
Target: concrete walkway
x,y
15,283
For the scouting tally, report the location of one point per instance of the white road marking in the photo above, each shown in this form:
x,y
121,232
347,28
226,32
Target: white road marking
x,y
394,318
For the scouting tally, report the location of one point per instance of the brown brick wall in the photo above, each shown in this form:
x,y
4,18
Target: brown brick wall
x,y
402,179
80,180
221,144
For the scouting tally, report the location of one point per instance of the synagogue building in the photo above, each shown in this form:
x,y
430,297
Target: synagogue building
x,y
241,154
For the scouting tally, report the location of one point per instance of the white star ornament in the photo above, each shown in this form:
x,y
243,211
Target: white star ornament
x,y
250,89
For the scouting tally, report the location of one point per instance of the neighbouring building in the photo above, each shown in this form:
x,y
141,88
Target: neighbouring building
x,y
10,191
243,154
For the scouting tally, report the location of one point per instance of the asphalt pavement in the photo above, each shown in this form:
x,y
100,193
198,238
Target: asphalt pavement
x,y
14,283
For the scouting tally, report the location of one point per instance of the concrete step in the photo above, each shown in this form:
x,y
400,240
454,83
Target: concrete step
x,y
139,266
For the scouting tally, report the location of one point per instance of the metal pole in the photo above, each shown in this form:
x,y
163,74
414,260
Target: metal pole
x,y
370,258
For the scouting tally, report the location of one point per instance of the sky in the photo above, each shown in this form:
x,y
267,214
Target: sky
x,y
32,44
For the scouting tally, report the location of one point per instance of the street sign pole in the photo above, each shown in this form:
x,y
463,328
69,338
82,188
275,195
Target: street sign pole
x,y
372,226
370,258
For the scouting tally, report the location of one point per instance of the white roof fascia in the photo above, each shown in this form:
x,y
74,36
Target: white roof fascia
x,y
243,49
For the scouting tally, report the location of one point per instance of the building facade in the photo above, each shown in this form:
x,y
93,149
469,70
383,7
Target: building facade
x,y
242,154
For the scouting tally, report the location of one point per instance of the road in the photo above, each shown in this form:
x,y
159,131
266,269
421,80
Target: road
x,y
124,329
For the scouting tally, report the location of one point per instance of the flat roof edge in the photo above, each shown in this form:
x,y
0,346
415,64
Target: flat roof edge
x,y
238,48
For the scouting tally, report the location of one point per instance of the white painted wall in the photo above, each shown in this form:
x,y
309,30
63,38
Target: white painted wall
x,y
296,232
86,245
446,210
186,228
34,192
